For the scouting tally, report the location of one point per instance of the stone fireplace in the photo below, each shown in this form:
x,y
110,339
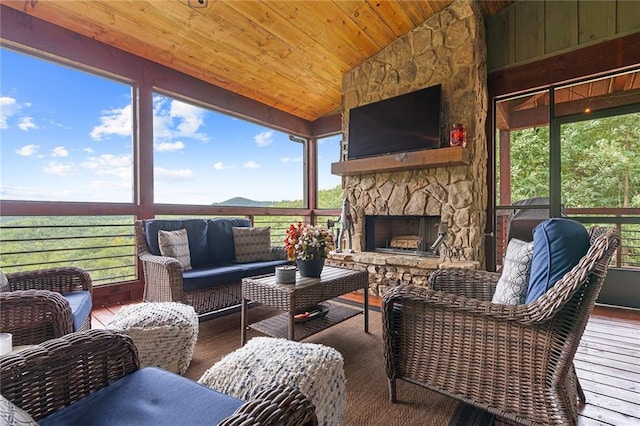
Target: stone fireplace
x,y
448,49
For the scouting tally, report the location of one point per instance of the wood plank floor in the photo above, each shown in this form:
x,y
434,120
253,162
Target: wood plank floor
x,y
607,363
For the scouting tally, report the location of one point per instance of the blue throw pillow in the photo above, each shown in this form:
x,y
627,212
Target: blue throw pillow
x,y
558,245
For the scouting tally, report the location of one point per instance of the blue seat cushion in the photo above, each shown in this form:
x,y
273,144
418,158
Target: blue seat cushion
x,y
212,276
558,245
196,234
261,268
81,304
149,396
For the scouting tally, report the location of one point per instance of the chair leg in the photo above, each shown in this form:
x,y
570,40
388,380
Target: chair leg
x,y
581,397
392,390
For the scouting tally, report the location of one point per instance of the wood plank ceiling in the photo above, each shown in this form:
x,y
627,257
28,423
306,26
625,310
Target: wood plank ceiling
x,y
290,55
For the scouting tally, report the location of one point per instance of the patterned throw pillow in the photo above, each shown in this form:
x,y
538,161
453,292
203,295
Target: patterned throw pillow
x,y
514,281
13,415
175,244
252,244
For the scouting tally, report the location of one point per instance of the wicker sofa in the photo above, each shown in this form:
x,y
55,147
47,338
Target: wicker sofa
x,y
515,361
46,303
215,281
93,377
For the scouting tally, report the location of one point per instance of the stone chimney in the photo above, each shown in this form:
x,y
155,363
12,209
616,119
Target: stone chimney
x,y
448,49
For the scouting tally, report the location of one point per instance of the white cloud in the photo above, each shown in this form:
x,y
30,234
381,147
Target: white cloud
x,y
264,138
27,150
60,169
291,160
111,165
26,124
190,117
113,122
175,119
108,160
59,151
31,193
169,146
220,166
251,165
175,173
8,107
89,150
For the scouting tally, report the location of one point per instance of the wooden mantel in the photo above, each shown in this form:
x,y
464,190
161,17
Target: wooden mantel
x,y
450,156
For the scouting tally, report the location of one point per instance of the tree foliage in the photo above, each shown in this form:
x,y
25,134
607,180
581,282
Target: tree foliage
x,y
600,163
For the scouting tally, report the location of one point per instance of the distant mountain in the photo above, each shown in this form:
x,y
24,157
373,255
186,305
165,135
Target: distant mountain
x,y
327,198
244,202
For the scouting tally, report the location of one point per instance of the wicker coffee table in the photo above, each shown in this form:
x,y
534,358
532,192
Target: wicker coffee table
x,y
304,293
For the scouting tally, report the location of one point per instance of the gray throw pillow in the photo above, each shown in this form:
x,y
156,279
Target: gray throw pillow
x,y
175,244
252,244
514,282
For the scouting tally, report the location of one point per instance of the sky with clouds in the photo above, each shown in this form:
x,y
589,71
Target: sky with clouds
x,y
66,136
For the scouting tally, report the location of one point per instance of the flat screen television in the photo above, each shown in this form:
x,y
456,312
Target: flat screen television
x,y
408,122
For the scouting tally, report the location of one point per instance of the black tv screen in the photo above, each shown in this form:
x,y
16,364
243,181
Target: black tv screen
x,y
408,122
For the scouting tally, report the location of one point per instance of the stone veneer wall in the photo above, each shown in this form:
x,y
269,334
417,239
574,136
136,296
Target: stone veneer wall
x,y
448,49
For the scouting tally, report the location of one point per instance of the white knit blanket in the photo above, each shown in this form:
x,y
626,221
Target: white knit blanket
x,y
316,370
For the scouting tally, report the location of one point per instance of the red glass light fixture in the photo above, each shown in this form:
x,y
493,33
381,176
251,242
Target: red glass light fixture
x,y
458,135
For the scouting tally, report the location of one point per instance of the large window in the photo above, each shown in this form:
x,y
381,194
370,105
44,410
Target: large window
x,y
329,185
522,149
204,157
66,134
576,149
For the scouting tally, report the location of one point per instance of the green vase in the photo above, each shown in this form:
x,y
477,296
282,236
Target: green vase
x,y
310,268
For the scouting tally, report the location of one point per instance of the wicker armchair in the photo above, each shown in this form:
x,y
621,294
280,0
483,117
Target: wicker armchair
x,y
32,307
47,377
515,361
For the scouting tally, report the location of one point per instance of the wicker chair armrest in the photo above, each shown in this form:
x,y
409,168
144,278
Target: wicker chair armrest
x,y
170,263
63,280
33,316
420,300
471,283
165,273
279,252
54,374
278,405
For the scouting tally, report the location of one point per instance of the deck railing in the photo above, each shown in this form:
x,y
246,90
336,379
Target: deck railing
x,y
628,225
102,245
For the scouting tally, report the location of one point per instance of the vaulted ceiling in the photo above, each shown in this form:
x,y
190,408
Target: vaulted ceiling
x,y
288,54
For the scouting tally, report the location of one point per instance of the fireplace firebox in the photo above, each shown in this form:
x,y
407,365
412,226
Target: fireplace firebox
x,y
414,235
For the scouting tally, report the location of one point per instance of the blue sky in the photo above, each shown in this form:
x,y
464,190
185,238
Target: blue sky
x,y
66,136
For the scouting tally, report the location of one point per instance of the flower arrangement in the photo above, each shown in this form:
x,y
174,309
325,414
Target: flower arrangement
x,y
307,242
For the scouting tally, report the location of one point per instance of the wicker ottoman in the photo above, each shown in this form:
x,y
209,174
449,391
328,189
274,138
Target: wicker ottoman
x,y
317,370
165,333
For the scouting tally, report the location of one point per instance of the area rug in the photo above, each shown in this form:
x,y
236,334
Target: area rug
x,y
367,392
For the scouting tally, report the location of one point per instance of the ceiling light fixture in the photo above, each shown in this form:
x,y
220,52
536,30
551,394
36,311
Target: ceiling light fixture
x,y
198,3
587,108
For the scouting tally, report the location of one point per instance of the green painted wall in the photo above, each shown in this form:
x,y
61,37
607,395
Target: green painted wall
x,y
531,30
